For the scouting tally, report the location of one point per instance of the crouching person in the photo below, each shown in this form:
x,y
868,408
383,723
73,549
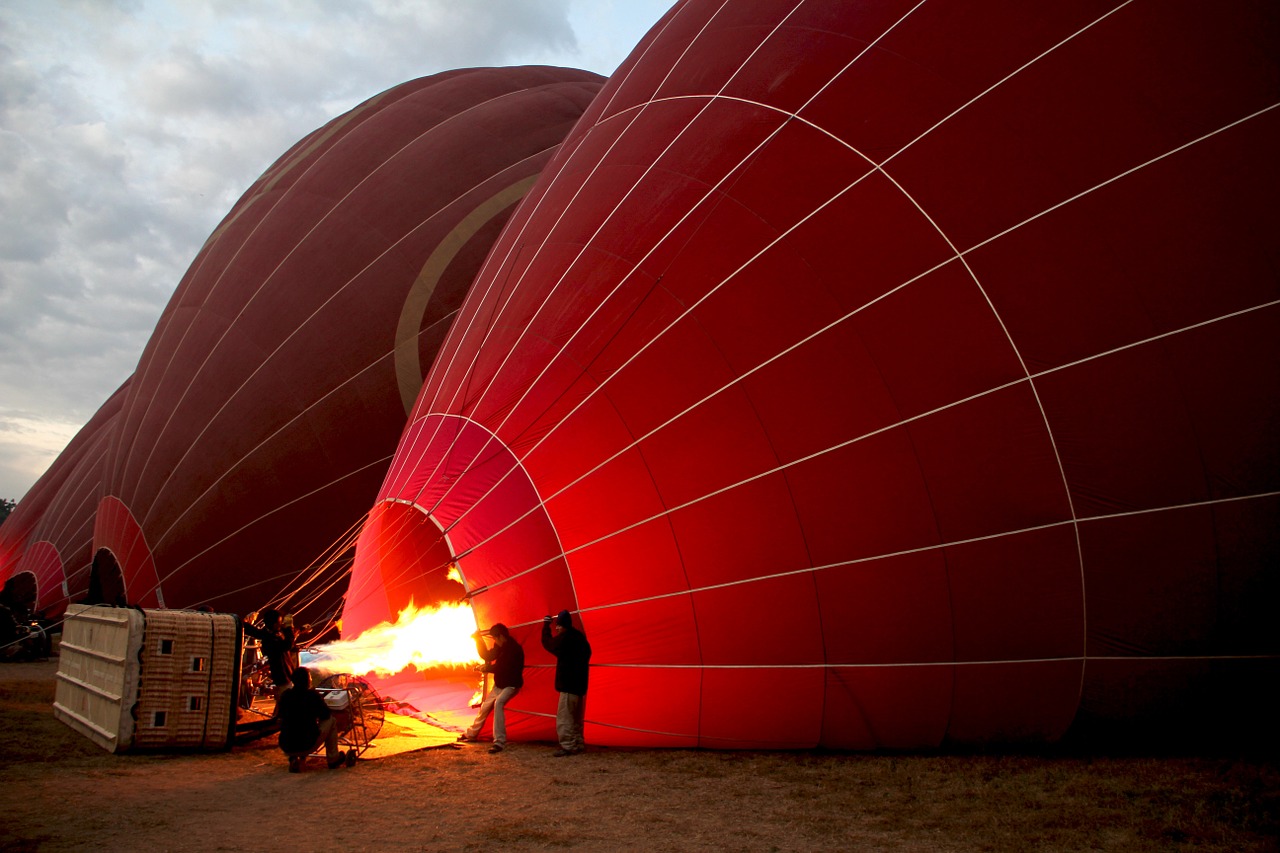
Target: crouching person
x,y
306,722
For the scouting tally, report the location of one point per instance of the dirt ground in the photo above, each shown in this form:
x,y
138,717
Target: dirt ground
x,y
59,791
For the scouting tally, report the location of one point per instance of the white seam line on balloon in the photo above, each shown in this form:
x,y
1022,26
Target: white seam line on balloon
x,y
1004,80
64,505
400,533
370,585
318,490
710,194
887,555
173,353
674,13
891,292
938,546
445,532
1123,174
307,147
431,383
578,191
515,243
381,359
512,251
1034,390
534,197
814,96
797,111
878,431
90,459
1044,417
443,368
625,278
958,255
563,278
463,387
339,290
264,183
80,502
319,309
71,503
244,306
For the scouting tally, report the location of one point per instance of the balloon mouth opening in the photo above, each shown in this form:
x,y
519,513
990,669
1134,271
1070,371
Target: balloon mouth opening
x,y
408,622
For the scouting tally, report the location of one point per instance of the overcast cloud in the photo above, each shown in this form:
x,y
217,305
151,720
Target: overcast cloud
x,y
128,129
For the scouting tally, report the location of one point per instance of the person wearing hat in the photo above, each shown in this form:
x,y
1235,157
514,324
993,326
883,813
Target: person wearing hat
x,y
506,661
572,653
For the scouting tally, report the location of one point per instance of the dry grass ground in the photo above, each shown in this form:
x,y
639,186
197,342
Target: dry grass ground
x,y
58,791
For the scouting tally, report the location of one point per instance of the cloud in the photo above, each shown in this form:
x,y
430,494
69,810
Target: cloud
x,y
27,445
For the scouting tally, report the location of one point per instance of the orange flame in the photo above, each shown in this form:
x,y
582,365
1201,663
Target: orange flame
x,y
423,638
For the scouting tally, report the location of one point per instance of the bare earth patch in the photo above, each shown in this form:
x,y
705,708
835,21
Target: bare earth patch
x,y
59,791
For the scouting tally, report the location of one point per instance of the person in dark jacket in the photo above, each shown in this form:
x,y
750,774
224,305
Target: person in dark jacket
x,y
306,722
506,661
275,642
572,652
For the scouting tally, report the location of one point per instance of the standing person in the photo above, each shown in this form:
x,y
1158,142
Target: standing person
x,y
294,636
572,652
506,661
275,645
306,722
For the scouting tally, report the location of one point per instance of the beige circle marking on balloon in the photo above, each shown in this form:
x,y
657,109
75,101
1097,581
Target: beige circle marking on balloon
x,y
409,374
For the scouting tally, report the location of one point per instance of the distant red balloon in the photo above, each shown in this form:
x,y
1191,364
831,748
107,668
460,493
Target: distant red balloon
x,y
50,533
877,375
269,400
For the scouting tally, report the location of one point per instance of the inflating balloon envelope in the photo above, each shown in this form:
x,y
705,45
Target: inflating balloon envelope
x,y
867,376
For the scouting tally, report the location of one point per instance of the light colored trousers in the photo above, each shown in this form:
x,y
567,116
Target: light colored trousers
x,y
329,735
570,714
496,702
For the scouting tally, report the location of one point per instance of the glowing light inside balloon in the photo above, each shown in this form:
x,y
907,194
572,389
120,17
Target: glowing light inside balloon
x,y
422,638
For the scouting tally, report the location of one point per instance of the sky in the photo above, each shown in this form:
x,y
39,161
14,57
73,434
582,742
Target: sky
x,y
128,129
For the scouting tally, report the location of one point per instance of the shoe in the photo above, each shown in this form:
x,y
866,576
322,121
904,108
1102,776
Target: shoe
x,y
561,753
495,748
351,758
462,738
340,761
295,764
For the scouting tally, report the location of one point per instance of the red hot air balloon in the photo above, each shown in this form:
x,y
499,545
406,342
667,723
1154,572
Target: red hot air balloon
x,y
50,533
270,397
876,375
